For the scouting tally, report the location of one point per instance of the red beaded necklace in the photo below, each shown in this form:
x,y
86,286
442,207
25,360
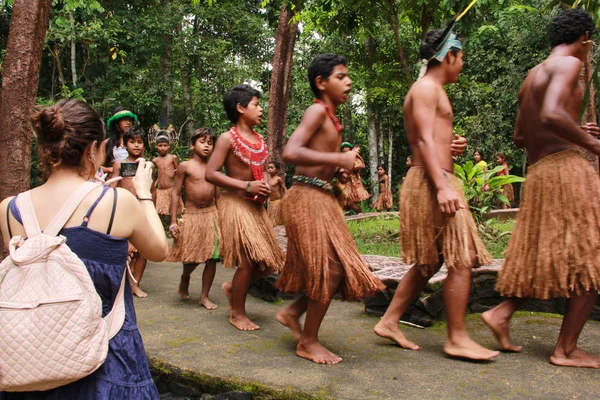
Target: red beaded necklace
x,y
253,154
334,119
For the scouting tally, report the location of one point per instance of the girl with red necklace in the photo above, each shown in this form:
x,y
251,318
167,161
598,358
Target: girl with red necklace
x,y
248,238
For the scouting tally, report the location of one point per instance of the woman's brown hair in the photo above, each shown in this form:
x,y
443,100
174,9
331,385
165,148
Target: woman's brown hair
x,y
64,130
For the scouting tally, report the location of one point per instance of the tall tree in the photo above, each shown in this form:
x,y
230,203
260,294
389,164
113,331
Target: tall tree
x,y
20,76
166,70
281,82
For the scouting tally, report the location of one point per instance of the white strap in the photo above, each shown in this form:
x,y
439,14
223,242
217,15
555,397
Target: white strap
x,y
30,222
116,317
67,210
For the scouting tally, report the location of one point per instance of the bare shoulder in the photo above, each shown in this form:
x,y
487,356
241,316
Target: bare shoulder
x,y
173,157
564,64
315,112
224,137
424,89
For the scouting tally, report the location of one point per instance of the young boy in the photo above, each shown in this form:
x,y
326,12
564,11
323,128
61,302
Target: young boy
x,y
134,143
249,241
436,225
321,259
553,250
278,190
166,165
199,240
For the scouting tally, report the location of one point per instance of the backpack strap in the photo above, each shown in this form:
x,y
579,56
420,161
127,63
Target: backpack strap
x,y
116,317
30,222
60,219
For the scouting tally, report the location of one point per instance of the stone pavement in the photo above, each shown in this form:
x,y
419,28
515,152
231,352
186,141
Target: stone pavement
x,y
185,335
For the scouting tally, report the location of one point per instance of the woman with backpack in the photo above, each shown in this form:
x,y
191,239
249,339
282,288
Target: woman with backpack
x,y
70,139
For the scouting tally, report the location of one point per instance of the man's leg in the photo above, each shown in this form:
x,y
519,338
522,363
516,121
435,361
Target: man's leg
x,y
409,288
208,276
566,353
184,283
309,346
456,295
236,292
498,319
290,316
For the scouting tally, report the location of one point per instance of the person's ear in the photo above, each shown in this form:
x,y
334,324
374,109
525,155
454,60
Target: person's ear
x,y
240,108
320,82
588,38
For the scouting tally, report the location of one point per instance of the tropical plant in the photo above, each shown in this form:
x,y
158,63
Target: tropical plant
x,y
482,188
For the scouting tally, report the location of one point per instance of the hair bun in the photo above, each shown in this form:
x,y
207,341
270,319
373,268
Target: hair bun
x,y
49,123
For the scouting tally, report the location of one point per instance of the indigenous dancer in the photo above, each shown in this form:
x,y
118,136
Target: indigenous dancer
x,y
507,190
553,250
321,259
134,139
198,240
355,191
436,224
278,190
166,165
249,241
384,201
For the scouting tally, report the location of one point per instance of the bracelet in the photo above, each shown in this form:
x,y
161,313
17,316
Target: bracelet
x,y
248,187
144,198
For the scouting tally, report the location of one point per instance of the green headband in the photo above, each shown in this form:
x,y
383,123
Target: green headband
x,y
346,144
120,115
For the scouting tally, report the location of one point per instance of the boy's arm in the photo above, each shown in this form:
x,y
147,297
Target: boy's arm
x,y
359,164
216,177
175,161
296,151
281,185
559,95
175,195
115,173
424,112
217,194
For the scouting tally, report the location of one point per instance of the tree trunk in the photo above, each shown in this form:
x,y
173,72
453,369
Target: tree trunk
x,y
73,52
391,11
348,125
279,87
372,140
186,86
590,111
380,140
20,77
166,74
390,151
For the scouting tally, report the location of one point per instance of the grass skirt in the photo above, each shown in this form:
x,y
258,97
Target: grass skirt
x,y
247,232
427,236
274,212
163,202
355,191
384,201
314,224
555,245
199,237
509,192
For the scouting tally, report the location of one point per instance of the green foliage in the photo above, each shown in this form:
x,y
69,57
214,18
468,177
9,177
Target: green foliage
x,y
495,235
377,236
483,189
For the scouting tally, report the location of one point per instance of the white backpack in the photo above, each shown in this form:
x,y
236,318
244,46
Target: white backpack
x,y
51,328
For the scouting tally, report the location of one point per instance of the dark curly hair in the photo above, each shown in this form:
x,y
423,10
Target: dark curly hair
x,y
430,43
323,65
239,94
569,25
201,132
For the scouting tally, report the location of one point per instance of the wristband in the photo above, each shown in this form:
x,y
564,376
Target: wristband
x,y
172,226
248,186
144,198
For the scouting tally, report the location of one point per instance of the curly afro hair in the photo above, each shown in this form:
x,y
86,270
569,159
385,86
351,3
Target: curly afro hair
x,y
567,27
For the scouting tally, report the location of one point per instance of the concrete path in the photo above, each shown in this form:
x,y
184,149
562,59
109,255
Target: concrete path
x,y
186,335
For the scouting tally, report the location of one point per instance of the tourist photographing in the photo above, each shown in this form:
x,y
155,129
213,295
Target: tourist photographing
x,y
70,140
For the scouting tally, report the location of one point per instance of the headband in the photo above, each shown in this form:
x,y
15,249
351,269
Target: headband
x,y
345,144
120,115
162,136
451,42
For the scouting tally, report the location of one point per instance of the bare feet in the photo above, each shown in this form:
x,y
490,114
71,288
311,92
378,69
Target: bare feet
x,y
393,333
209,305
243,323
316,353
226,288
499,326
577,358
469,349
285,318
138,291
184,285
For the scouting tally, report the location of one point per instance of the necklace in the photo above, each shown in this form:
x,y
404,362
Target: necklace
x,y
332,117
253,154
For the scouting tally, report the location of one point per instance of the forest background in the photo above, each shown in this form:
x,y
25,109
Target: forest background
x,y
171,61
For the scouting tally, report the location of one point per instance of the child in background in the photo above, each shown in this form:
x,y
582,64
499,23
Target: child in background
x,y
121,120
134,139
199,239
384,201
278,190
507,190
166,165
